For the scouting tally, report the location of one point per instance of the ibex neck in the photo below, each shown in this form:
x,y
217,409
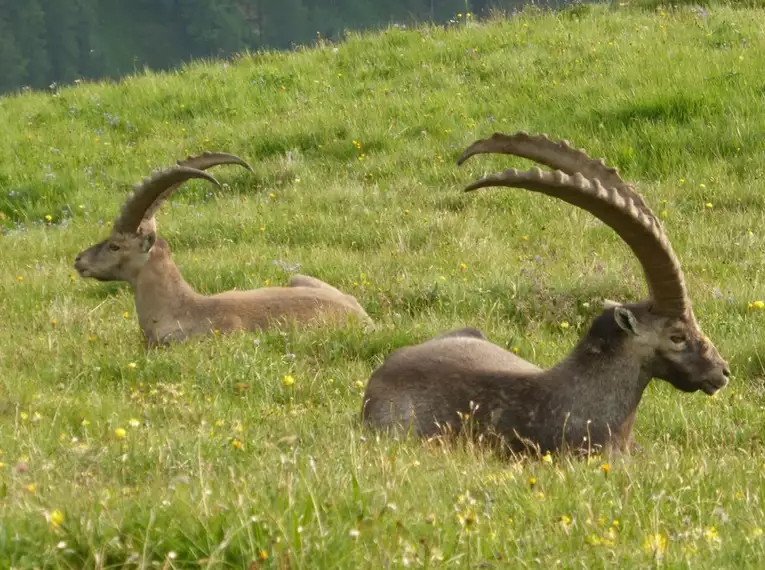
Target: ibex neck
x,y
162,297
162,276
598,394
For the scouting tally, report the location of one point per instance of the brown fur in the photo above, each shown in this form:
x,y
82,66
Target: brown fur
x,y
170,310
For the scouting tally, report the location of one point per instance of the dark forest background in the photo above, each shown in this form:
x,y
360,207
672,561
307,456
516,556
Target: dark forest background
x,y
57,41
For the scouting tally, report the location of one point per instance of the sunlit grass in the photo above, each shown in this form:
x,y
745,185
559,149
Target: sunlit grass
x,y
245,451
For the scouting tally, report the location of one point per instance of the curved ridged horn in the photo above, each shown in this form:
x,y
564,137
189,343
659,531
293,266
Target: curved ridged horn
x,y
636,227
200,162
145,193
558,155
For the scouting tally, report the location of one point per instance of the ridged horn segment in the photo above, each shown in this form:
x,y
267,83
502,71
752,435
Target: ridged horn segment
x,y
145,194
638,229
200,162
209,159
558,155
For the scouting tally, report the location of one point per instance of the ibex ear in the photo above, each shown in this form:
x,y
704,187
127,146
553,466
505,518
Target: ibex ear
x,y
147,241
609,304
626,320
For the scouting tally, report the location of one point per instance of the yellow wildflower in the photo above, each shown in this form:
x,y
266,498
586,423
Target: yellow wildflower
x,y
120,433
288,380
56,517
595,540
711,536
468,519
655,543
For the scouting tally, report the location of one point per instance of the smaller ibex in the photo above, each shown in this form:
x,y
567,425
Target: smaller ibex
x,y
97,263
589,400
168,308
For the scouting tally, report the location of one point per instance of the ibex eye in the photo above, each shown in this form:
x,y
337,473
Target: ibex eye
x,y
114,247
678,338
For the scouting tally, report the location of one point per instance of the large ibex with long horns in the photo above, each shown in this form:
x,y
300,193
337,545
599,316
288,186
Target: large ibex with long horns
x,y
168,308
589,400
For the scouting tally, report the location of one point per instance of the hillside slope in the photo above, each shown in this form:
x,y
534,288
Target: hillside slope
x,y
201,456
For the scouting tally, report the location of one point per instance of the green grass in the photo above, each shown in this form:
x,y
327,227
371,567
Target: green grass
x,y
673,98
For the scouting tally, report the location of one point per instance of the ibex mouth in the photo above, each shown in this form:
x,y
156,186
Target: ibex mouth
x,y
84,272
710,386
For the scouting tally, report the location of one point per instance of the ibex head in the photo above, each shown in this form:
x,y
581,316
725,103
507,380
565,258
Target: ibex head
x,y
663,330
127,248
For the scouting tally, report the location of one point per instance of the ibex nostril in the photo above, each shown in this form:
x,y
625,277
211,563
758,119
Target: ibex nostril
x,y
726,372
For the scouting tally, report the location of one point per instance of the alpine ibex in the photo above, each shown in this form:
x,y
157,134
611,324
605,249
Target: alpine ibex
x,y
588,400
168,308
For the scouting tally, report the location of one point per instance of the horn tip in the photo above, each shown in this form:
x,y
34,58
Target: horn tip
x,y
465,155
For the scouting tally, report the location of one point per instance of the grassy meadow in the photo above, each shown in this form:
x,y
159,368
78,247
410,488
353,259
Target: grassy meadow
x,y
246,451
